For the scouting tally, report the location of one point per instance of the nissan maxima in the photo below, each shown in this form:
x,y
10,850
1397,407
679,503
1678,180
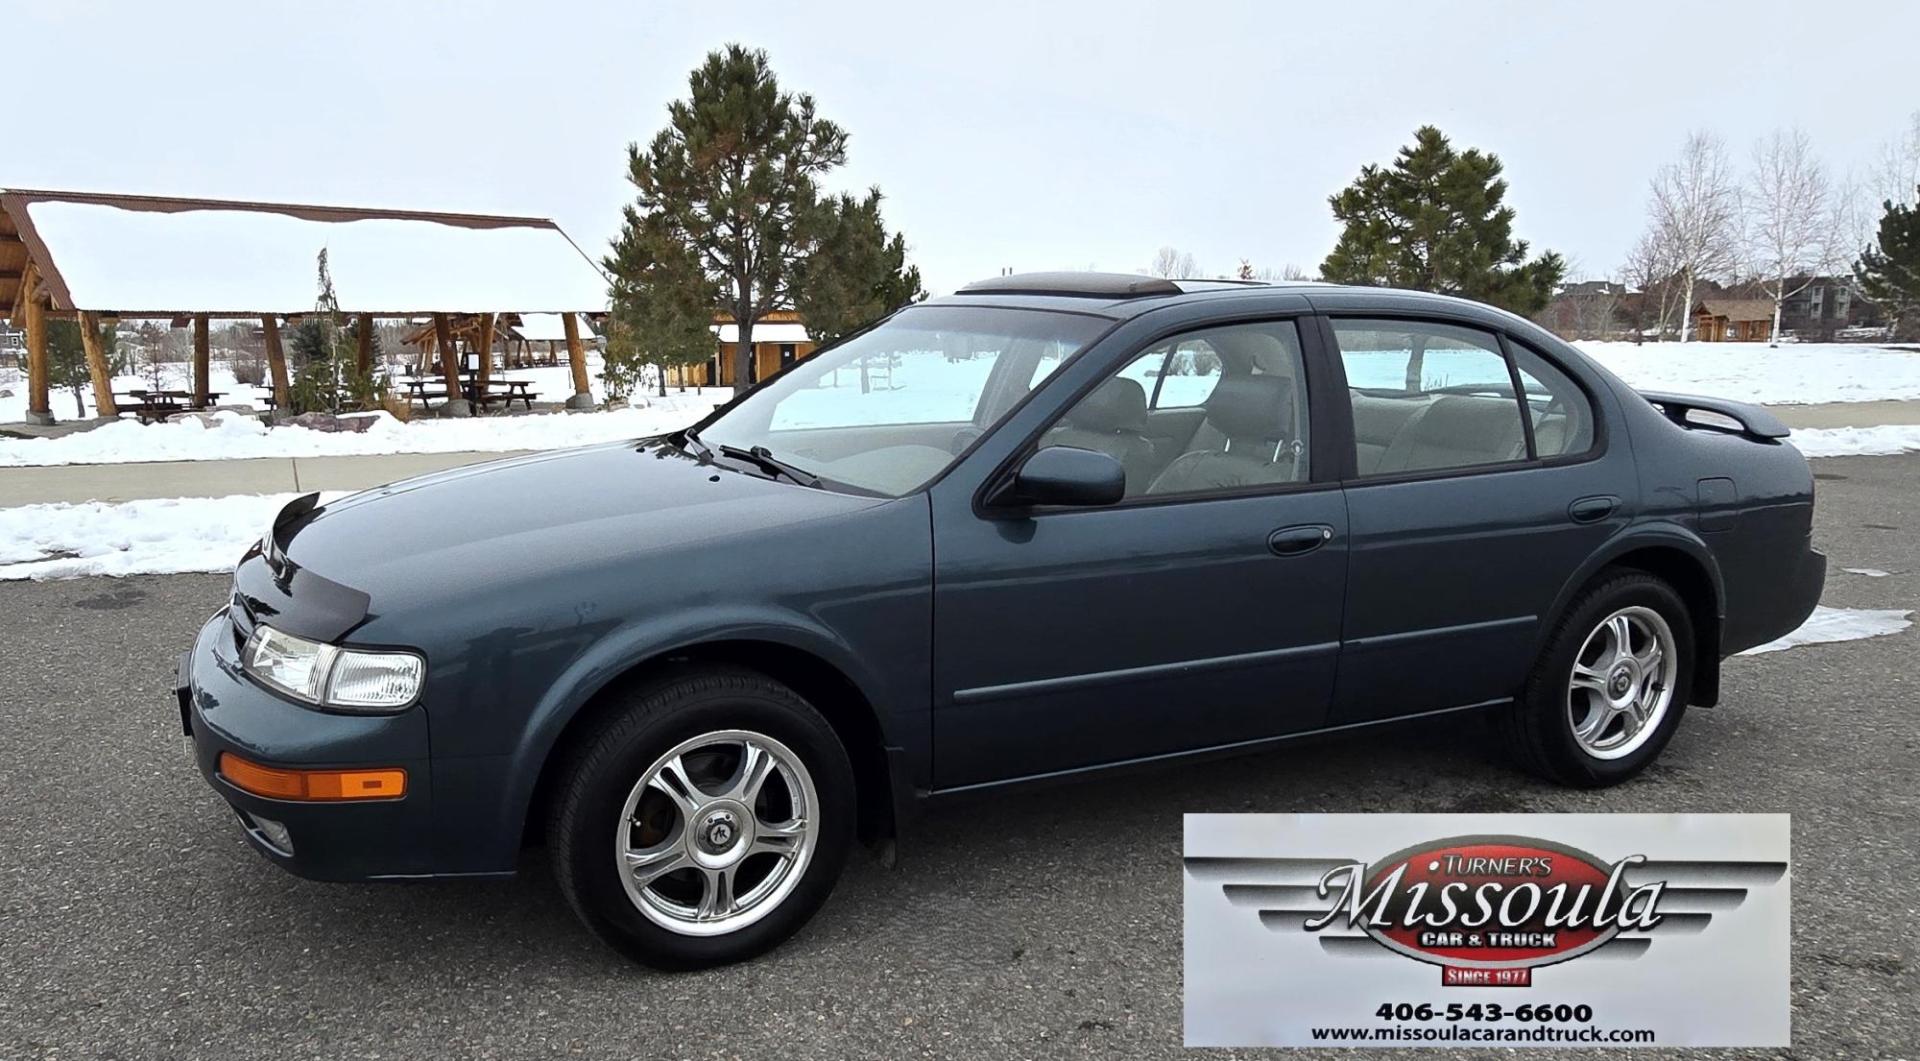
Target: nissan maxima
x,y
1051,525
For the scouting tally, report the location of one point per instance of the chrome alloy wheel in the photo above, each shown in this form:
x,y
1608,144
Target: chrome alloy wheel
x,y
717,833
1622,682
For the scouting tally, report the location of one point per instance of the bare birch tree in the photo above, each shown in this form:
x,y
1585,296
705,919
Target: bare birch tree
x,y
1173,264
1649,269
1895,173
1696,205
1791,238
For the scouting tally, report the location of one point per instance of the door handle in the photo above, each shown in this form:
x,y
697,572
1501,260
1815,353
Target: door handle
x,y
1297,541
1592,509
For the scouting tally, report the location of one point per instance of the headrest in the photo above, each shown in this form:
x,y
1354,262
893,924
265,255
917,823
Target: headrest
x,y
1119,404
1467,419
1257,408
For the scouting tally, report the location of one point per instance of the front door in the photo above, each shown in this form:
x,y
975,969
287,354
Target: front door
x,y
1201,611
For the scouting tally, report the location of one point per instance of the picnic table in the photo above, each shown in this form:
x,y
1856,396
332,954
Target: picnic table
x,y
512,390
152,405
417,391
501,391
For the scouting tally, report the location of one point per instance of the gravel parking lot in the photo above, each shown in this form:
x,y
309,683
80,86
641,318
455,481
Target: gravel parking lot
x,y
135,923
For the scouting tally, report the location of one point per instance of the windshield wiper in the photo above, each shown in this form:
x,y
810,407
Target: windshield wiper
x,y
763,458
690,435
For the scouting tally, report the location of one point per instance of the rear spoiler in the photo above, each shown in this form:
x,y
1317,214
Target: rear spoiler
x,y
1755,422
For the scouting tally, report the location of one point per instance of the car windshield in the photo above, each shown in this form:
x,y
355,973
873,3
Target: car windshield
x,y
888,410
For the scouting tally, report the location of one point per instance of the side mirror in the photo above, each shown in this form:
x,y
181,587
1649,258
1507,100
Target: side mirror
x,y
1065,475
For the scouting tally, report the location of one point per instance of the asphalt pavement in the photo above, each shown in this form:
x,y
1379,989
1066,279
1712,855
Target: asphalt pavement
x,y
135,923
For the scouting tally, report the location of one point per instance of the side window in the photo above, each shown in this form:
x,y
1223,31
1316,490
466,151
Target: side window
x,y
1228,407
1562,417
1428,396
1178,374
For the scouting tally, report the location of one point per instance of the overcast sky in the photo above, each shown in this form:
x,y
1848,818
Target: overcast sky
x,y
1024,135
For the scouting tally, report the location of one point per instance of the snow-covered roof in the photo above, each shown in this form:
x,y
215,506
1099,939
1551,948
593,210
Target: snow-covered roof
x,y
1738,309
765,332
548,327
140,256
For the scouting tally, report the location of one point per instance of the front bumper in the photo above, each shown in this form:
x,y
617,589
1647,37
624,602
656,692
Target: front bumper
x,y
223,710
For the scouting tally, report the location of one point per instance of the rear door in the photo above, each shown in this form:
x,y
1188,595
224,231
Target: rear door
x,y
1469,507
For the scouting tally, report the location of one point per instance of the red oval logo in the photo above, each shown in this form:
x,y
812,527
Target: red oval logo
x,y
1494,902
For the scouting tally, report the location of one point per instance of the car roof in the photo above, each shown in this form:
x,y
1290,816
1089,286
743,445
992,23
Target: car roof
x,y
1123,295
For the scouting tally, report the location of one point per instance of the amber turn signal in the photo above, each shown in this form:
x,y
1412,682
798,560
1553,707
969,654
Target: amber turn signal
x,y
313,786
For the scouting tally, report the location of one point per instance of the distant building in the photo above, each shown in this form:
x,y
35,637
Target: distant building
x,y
1589,309
12,342
779,339
1825,306
1733,320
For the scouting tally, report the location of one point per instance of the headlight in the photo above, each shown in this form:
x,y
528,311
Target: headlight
x,y
330,676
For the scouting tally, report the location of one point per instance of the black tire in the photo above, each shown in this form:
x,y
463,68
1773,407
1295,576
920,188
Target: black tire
x,y
650,720
1539,728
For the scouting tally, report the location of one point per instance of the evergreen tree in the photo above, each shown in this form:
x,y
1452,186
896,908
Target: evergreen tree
x,y
327,376
1434,221
67,360
662,306
1889,271
855,272
732,178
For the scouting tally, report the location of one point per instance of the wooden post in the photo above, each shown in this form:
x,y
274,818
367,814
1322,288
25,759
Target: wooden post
x,y
202,356
449,361
277,364
38,370
103,403
577,360
483,343
364,355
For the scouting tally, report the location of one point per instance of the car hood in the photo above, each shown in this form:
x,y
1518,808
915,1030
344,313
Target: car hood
x,y
428,541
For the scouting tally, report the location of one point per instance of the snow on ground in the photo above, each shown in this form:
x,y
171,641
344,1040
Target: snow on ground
x,y
1870,572
552,383
1791,374
13,408
1839,624
233,436
917,388
1856,441
156,537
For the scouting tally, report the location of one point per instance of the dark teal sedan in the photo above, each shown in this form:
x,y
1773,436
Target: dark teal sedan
x,y
1053,524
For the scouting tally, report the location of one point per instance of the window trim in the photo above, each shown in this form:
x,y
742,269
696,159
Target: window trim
x,y
1348,447
1312,364
1598,447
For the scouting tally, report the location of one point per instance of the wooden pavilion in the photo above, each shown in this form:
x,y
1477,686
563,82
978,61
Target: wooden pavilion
x,y
1733,320
92,257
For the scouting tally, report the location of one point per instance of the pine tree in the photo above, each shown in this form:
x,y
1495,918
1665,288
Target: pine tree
x,y
854,272
67,360
732,177
662,308
1889,271
1435,221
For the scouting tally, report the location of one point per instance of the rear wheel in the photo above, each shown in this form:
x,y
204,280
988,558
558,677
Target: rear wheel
x,y
1611,685
705,821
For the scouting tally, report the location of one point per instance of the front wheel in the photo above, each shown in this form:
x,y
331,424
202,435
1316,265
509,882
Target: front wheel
x,y
1611,685
705,821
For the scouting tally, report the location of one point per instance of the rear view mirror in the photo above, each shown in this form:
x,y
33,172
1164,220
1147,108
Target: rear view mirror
x,y
1065,475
